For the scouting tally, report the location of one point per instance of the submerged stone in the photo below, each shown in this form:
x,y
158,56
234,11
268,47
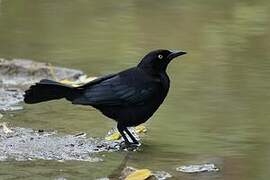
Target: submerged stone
x,y
198,168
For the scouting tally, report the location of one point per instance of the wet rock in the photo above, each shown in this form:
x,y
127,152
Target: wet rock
x,y
198,168
18,74
9,99
23,144
21,72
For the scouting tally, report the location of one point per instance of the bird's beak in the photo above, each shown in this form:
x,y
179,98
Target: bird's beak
x,y
175,54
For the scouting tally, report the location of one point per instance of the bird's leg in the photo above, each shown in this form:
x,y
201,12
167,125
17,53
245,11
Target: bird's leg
x,y
131,136
121,129
129,146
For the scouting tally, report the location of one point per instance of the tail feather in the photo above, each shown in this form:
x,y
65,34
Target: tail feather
x,y
47,90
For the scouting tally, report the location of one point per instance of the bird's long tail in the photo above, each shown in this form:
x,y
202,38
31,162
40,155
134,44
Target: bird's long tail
x,y
47,90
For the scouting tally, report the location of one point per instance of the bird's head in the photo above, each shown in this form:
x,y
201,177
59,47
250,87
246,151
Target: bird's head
x,y
158,60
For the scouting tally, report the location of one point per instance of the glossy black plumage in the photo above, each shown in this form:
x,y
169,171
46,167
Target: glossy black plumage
x,y
129,97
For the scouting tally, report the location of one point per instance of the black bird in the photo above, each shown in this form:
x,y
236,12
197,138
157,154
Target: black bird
x,y
130,97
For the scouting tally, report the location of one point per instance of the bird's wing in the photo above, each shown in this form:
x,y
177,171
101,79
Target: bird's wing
x,y
116,91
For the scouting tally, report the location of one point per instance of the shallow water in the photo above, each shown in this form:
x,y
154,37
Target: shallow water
x,y
217,110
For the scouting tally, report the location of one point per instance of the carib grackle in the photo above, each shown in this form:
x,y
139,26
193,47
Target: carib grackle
x,y
130,97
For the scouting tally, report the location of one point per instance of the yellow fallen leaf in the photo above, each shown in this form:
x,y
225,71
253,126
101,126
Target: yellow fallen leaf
x,y
89,79
140,174
117,135
68,82
82,80
140,129
114,136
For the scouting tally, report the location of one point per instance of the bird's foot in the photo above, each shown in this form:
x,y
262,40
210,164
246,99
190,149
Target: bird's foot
x,y
129,146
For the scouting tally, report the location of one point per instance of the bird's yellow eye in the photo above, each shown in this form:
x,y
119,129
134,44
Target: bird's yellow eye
x,y
160,56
